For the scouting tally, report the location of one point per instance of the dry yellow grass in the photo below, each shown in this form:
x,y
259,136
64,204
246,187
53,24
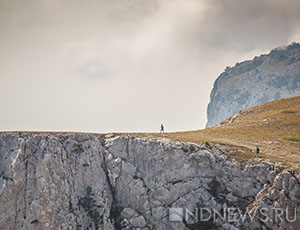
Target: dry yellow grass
x,y
274,127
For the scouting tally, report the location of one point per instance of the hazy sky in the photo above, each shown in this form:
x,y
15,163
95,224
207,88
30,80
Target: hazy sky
x,y
127,65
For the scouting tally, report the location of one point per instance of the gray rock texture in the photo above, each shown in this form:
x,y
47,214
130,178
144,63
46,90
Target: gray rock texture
x,y
91,181
53,181
265,78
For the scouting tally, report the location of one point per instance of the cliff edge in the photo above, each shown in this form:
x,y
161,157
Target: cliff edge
x,y
91,181
250,83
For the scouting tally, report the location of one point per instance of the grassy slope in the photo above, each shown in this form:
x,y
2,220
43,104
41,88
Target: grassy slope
x,y
274,127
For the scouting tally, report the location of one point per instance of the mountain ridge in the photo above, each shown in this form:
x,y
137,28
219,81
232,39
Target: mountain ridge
x,y
253,82
82,181
265,125
55,180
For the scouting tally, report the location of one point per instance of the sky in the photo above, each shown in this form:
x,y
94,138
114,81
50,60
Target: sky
x,y
127,65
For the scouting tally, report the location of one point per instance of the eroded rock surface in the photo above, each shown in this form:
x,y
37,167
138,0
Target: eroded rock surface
x,y
265,78
85,181
53,181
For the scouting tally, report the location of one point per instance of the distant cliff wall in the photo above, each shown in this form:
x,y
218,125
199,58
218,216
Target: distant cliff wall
x,y
265,78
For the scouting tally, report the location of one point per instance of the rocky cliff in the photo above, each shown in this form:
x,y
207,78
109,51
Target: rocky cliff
x,y
90,181
265,78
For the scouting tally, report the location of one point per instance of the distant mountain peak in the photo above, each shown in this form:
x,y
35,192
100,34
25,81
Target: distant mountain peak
x,y
249,83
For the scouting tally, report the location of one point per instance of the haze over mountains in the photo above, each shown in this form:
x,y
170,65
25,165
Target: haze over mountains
x,y
265,78
152,61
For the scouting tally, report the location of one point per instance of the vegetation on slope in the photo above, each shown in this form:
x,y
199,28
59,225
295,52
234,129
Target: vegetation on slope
x,y
274,127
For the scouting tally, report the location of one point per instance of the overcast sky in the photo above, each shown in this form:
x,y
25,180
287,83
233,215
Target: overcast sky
x,y
127,65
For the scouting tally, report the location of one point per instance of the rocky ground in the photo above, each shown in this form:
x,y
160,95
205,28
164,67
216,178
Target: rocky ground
x,y
90,181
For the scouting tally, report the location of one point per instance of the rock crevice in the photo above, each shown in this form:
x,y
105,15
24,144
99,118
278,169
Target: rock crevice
x,y
86,181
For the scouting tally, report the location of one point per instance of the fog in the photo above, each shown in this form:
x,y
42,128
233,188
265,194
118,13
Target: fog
x,y
127,65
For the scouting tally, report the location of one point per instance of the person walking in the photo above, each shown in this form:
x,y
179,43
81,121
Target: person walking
x,y
257,150
162,129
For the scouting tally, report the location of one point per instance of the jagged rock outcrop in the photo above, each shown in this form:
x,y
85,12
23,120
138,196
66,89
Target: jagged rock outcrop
x,y
265,78
283,194
51,181
90,181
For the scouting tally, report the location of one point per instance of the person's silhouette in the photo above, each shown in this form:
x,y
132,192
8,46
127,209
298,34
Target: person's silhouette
x,y
162,130
257,150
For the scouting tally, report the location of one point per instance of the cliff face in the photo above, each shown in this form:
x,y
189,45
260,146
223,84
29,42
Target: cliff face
x,y
53,182
82,181
250,83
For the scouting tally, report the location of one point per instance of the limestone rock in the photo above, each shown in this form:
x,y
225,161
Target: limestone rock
x,y
88,181
265,78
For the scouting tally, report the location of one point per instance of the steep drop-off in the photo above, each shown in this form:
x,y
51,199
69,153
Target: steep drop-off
x,y
265,78
91,181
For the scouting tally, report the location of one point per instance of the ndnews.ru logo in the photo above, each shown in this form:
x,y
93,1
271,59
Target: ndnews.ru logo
x,y
231,215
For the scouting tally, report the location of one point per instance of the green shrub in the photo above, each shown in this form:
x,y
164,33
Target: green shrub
x,y
288,111
77,148
192,148
88,203
292,138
